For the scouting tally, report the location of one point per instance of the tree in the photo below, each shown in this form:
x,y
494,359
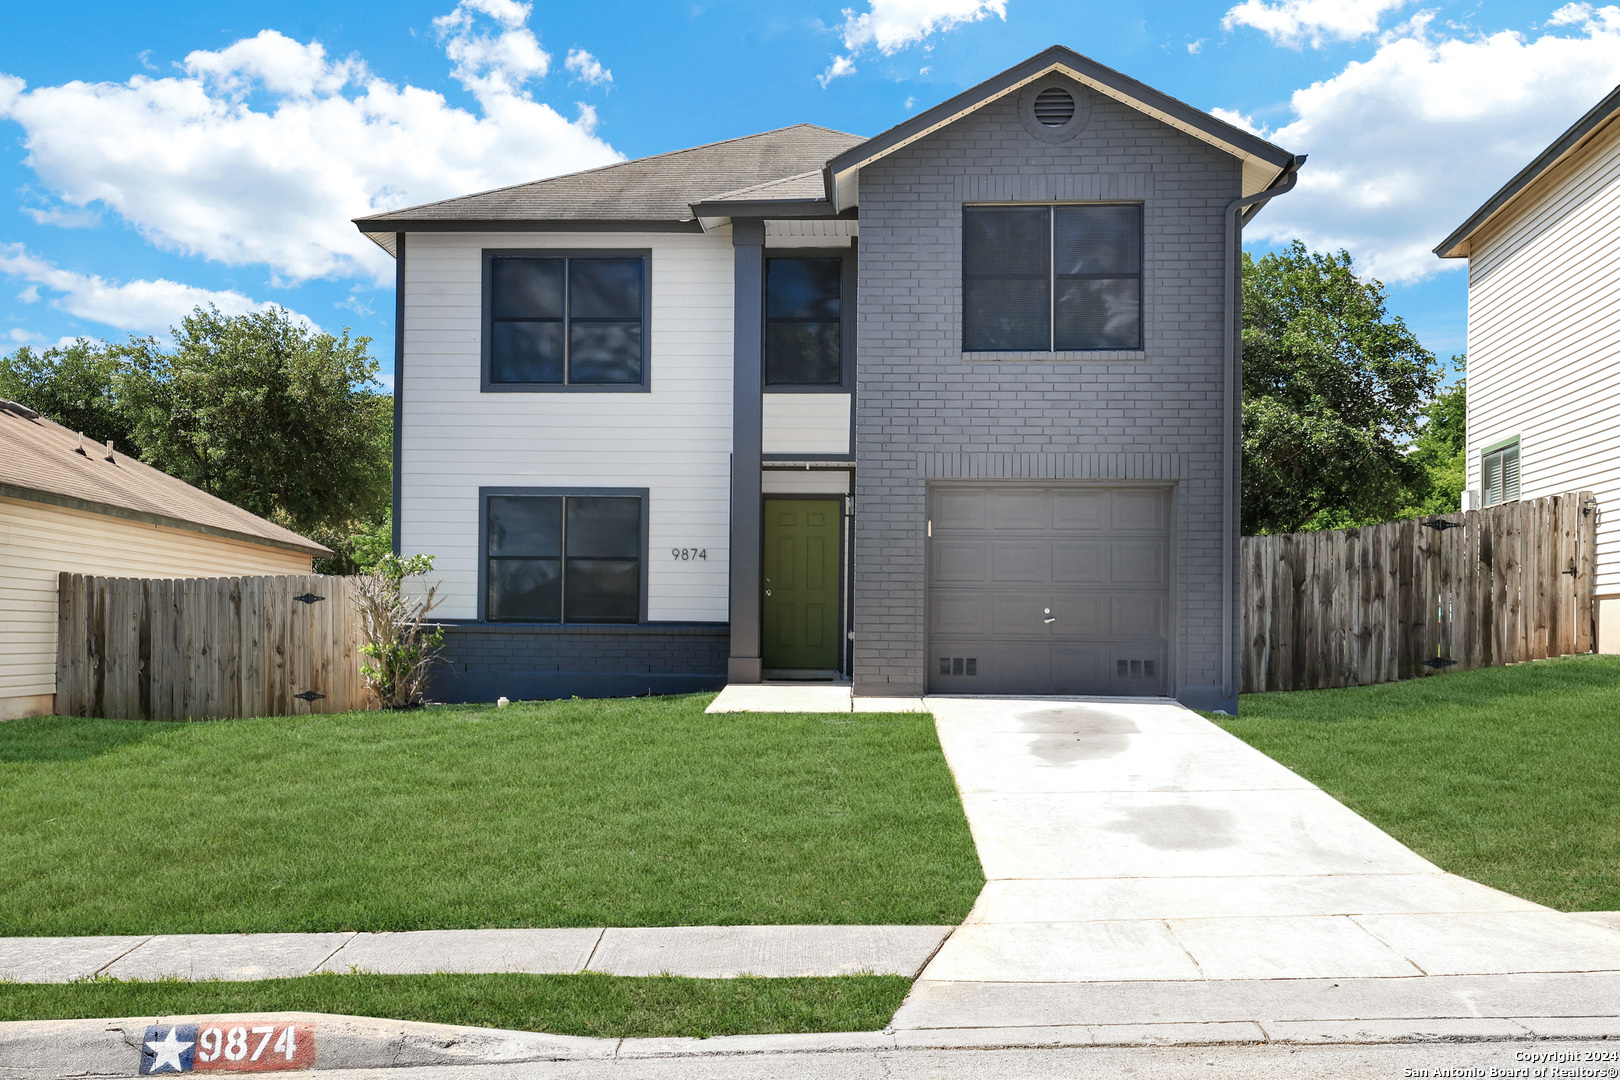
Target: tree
x,y
1333,389
78,386
1441,452
268,414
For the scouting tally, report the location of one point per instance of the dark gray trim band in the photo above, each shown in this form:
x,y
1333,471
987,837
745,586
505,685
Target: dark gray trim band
x,y
747,433
765,208
1587,125
88,506
370,225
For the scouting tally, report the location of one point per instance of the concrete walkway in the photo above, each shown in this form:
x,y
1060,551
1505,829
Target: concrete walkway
x,y
705,952
1145,866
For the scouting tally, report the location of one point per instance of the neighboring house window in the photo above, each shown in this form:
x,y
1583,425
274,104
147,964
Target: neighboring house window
x,y
563,558
1499,474
565,321
804,329
1051,278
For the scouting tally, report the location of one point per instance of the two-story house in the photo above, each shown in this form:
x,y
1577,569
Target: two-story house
x,y
952,409
1544,338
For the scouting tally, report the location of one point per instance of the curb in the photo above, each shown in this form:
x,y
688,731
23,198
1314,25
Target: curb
x,y
35,1050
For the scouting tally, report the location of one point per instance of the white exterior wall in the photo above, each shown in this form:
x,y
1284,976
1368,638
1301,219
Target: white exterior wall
x,y
1544,340
806,424
675,441
38,541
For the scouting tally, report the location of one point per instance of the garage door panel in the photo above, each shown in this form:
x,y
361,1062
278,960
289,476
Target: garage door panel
x,y
1145,511
1080,560
1020,508
959,614
1137,562
960,509
1020,561
960,561
1006,557
1136,615
1080,511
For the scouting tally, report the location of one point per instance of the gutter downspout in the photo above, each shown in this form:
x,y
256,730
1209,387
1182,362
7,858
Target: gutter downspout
x,y
1235,220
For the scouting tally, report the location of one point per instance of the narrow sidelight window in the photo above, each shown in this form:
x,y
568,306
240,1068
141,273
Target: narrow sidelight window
x,y
563,558
566,321
1051,278
804,309
1499,474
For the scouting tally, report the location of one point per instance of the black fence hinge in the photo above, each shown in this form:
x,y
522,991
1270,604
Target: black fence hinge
x,y
1571,570
309,598
309,695
1439,662
1441,526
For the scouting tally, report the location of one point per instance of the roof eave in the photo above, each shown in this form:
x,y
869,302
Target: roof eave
x,y
1459,244
370,226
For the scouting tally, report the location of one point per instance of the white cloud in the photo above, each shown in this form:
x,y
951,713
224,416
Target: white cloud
x,y
587,68
23,337
892,25
1195,47
1571,15
1293,22
1406,144
150,307
262,151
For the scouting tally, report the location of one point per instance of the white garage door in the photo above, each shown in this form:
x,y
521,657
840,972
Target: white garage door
x,y
1048,589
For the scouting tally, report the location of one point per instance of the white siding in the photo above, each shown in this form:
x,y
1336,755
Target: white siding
x,y
1544,339
806,424
804,482
674,441
39,541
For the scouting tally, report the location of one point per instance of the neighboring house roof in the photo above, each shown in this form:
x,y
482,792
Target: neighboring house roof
x,y
1458,244
40,461
798,171
657,190
1263,163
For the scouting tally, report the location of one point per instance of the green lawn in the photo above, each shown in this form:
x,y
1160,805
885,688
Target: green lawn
x,y
1509,776
632,812
599,1005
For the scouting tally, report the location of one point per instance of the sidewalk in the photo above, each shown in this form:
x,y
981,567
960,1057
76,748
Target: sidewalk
x,y
703,952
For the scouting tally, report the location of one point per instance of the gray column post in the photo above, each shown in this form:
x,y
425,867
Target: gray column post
x,y
748,244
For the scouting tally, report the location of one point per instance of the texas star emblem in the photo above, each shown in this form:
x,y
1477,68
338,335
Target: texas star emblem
x,y
168,1049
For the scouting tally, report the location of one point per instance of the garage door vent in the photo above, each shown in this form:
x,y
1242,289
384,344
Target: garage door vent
x,y
1137,669
959,665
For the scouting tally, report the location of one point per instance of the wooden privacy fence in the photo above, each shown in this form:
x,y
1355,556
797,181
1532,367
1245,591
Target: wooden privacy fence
x,y
199,648
1410,598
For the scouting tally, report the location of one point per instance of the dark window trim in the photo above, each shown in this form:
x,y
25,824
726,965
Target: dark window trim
x,y
847,277
484,494
1137,351
485,321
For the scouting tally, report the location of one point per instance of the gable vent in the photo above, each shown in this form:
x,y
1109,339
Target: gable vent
x,y
1054,106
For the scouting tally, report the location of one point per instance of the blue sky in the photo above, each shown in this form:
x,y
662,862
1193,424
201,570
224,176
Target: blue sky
x,y
156,156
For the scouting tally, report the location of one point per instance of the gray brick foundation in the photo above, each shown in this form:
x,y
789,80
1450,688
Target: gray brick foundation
x,y
484,661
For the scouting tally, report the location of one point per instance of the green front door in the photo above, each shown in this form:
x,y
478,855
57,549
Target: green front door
x,y
801,583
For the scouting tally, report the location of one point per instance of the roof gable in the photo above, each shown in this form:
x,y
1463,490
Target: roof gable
x,y
1263,162
1588,127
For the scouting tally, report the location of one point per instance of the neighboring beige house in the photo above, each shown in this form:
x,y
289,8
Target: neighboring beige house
x,y
68,504
1544,337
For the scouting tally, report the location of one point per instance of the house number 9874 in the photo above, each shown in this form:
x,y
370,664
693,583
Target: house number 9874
x,y
688,554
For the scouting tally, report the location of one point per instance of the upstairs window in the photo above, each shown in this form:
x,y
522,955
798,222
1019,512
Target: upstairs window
x,y
804,322
1499,474
563,558
565,321
1051,278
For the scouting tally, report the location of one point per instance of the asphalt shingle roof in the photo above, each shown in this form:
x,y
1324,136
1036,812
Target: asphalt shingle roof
x,y
658,188
39,456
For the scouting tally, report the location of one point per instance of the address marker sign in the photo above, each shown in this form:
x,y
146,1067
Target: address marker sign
x,y
227,1047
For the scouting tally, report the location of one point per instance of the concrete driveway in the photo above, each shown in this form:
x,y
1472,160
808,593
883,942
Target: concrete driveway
x,y
1130,843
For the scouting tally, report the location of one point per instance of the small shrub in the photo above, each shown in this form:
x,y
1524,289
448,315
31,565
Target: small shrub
x,y
401,647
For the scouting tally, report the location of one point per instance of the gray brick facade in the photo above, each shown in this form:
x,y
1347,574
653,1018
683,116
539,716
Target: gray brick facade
x,y
925,413
484,661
